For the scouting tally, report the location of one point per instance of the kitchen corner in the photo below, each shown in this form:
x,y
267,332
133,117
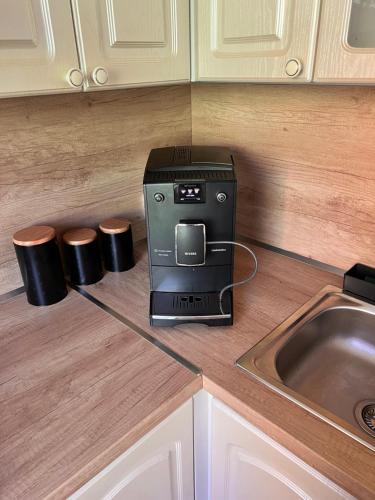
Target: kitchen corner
x,y
92,386
187,194
78,388
281,286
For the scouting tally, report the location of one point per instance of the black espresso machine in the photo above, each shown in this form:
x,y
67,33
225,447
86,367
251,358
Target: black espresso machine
x,y
190,200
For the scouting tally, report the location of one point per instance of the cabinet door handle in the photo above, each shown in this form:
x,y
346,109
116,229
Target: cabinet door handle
x,y
293,67
99,76
74,77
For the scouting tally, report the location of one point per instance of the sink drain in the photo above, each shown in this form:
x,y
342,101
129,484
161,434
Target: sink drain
x,y
365,415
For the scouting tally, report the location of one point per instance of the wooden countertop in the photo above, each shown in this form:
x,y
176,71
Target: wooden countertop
x,y
77,388
281,286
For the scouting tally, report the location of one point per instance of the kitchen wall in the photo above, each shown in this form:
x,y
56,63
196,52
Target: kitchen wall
x,y
75,159
306,164
305,154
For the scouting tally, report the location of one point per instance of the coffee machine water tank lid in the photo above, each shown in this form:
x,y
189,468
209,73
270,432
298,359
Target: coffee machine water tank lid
x,y
172,159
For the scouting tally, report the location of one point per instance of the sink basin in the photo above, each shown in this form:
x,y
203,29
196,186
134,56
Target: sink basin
x,y
323,358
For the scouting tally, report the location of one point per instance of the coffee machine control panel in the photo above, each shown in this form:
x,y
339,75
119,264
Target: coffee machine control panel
x,y
189,192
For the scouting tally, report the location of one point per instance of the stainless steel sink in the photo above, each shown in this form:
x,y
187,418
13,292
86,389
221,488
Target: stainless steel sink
x,y
323,358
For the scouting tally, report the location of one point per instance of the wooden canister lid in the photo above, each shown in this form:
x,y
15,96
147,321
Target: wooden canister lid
x,y
79,236
34,235
114,226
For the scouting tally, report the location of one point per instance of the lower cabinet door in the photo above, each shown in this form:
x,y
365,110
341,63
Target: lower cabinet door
x,y
158,467
246,464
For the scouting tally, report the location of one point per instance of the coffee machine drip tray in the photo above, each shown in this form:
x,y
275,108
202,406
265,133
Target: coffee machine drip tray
x,y
168,308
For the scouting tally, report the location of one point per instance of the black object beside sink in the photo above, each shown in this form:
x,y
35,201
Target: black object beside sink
x,y
360,281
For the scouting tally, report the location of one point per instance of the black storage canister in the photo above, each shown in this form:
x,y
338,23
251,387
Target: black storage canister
x,y
117,244
41,268
82,256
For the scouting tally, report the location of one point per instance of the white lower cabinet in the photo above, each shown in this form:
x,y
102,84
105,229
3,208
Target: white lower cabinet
x,y
233,460
158,467
236,461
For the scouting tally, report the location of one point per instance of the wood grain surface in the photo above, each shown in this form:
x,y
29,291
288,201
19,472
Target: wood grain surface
x,y
305,163
114,226
79,236
77,159
281,286
77,388
34,235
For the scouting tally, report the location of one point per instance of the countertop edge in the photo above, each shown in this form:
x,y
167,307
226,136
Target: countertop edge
x,y
288,441
143,427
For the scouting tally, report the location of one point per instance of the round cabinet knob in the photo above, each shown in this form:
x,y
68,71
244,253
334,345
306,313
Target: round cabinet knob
x,y
221,197
74,77
100,76
293,67
159,197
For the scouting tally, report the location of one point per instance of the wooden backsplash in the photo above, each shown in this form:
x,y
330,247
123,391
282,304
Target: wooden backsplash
x,y
71,160
305,155
306,164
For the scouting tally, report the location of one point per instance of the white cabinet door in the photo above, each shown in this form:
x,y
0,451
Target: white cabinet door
x,y
246,464
158,467
254,40
132,42
346,42
37,47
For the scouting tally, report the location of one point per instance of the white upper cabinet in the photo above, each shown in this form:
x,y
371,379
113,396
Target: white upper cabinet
x,y
346,42
254,41
37,47
126,42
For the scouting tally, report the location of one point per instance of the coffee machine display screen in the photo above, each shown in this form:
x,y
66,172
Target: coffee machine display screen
x,y
189,192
